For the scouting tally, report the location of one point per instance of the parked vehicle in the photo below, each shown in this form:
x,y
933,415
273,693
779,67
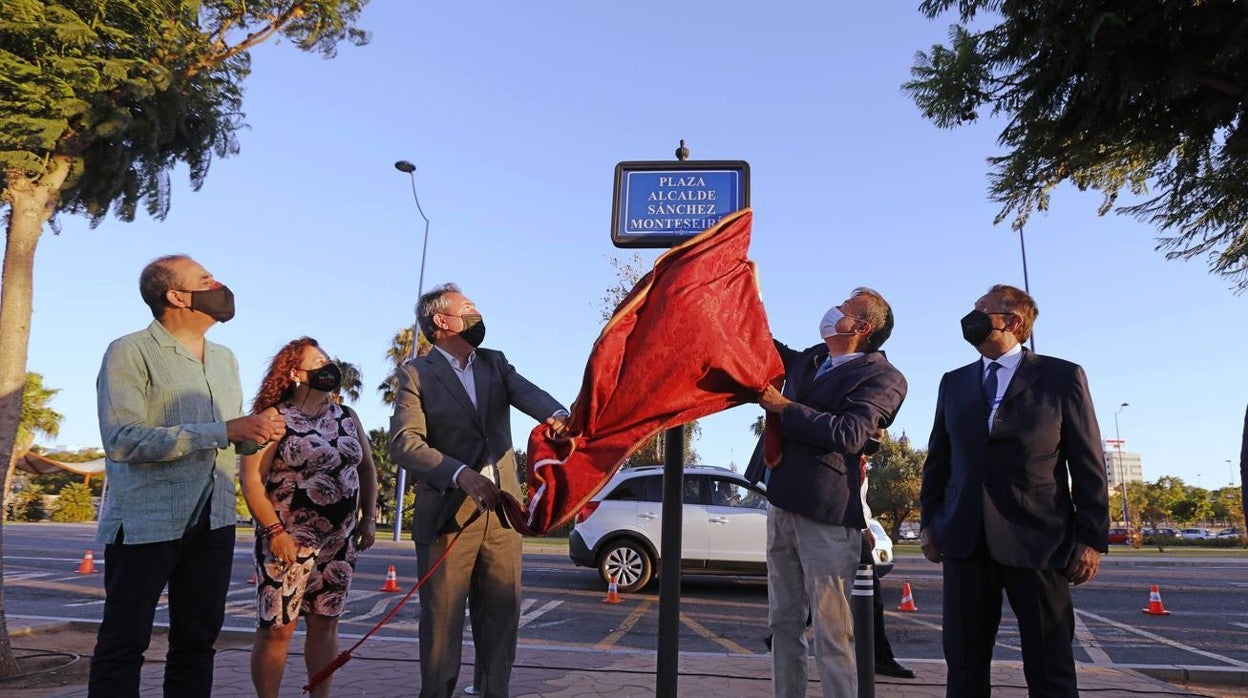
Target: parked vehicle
x,y
910,533
1195,534
723,529
1162,532
1232,532
1121,536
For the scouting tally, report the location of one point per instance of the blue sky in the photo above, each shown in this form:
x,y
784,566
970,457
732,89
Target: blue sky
x,y
516,114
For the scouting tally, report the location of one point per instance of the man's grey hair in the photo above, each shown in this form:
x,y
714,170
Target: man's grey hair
x,y
156,280
431,303
877,312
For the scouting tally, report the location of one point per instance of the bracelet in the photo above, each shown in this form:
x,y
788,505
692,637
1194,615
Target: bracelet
x,y
271,530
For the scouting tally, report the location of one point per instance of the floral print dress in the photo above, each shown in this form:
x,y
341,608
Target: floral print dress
x,y
314,486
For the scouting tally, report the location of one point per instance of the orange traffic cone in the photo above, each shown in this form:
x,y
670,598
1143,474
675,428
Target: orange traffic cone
x,y
1155,606
87,566
907,599
392,581
613,591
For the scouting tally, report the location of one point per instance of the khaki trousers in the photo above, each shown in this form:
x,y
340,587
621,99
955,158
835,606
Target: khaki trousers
x,y
482,572
810,573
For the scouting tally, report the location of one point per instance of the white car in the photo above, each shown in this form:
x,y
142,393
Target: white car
x,y
1195,533
1232,532
723,530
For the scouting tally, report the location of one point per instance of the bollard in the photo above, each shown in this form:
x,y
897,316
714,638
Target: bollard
x,y
864,630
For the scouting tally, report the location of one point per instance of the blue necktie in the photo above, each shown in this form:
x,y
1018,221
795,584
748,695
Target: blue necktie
x,y
824,367
990,384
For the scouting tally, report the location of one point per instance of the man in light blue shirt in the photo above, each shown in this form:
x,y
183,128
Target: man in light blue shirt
x,y
170,408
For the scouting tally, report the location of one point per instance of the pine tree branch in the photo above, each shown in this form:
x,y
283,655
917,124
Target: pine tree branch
x,y
218,56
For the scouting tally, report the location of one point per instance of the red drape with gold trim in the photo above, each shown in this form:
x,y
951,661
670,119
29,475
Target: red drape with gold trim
x,y
689,340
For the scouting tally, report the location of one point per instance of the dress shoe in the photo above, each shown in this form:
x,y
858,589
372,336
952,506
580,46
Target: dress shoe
x,y
892,668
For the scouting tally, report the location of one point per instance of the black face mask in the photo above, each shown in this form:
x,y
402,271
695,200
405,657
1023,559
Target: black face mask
x,y
217,303
474,329
326,378
976,327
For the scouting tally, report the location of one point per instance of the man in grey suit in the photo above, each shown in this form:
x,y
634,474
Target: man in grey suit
x,y
451,430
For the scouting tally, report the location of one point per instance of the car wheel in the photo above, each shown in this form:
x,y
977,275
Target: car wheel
x,y
627,561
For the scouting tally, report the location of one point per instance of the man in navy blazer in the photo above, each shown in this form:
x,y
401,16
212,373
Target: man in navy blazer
x,y
837,394
1014,497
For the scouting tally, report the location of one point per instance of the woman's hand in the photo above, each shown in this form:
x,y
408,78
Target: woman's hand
x,y
283,547
365,534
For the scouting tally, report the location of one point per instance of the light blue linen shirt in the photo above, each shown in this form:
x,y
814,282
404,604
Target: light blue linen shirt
x,y
162,421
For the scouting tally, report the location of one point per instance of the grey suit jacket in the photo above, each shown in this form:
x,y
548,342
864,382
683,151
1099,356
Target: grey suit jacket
x,y
435,429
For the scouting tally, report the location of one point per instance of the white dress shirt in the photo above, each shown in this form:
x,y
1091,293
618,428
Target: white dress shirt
x,y
469,381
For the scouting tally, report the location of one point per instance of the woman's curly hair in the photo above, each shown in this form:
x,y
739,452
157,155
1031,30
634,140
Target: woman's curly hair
x,y
277,384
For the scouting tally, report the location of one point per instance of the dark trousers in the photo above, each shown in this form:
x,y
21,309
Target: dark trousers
x,y
883,650
197,570
1040,600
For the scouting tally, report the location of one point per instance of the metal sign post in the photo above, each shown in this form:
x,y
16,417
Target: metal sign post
x,y
662,204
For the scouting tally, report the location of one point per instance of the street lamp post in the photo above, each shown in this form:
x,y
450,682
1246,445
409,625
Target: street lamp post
x,y
400,475
1230,469
1122,474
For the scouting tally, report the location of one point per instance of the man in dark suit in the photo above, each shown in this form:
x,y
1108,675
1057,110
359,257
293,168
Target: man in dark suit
x,y
451,430
837,394
1013,497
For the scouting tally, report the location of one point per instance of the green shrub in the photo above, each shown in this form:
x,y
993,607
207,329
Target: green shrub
x,y
74,504
26,506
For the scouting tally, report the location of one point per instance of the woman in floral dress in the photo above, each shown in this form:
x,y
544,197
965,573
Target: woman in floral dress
x,y
313,495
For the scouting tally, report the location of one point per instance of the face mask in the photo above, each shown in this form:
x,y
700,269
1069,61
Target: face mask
x,y
977,327
474,329
326,378
827,326
217,303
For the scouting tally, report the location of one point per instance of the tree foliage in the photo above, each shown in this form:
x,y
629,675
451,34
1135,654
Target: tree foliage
x,y
399,352
352,381
896,472
1108,95
125,89
74,504
37,418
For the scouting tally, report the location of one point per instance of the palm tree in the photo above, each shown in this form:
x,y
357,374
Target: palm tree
x,y
352,381
757,426
400,351
37,418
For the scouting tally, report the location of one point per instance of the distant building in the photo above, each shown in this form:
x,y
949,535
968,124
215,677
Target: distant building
x,y
1122,465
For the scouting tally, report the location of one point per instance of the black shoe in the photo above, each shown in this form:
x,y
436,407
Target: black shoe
x,y
892,668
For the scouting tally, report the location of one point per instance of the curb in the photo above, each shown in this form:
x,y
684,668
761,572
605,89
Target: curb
x,y
1183,673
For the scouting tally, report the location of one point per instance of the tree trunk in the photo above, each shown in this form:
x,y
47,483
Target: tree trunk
x,y
31,203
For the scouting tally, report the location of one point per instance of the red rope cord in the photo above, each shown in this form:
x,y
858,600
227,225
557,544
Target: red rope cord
x,y
326,671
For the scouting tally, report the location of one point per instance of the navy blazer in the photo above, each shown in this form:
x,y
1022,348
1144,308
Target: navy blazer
x,y
1033,487
825,430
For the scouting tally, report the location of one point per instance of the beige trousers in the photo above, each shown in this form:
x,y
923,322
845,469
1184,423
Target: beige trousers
x,y
810,573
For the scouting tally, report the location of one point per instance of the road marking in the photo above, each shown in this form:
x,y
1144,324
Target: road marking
x,y
724,642
1089,643
1242,625
526,618
624,628
84,603
377,610
15,576
1163,640
57,585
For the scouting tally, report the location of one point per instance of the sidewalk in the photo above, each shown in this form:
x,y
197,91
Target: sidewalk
x,y
390,668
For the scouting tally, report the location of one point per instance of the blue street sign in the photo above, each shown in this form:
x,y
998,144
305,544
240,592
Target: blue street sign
x,y
661,204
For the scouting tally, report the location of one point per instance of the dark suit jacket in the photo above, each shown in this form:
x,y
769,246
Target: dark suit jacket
x,y
435,429
1033,487
825,430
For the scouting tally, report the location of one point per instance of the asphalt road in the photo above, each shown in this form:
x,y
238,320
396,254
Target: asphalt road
x,y
563,605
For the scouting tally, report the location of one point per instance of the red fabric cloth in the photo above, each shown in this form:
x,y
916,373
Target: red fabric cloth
x,y
689,340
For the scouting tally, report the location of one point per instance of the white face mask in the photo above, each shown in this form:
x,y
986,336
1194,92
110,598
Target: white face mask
x,y
827,326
